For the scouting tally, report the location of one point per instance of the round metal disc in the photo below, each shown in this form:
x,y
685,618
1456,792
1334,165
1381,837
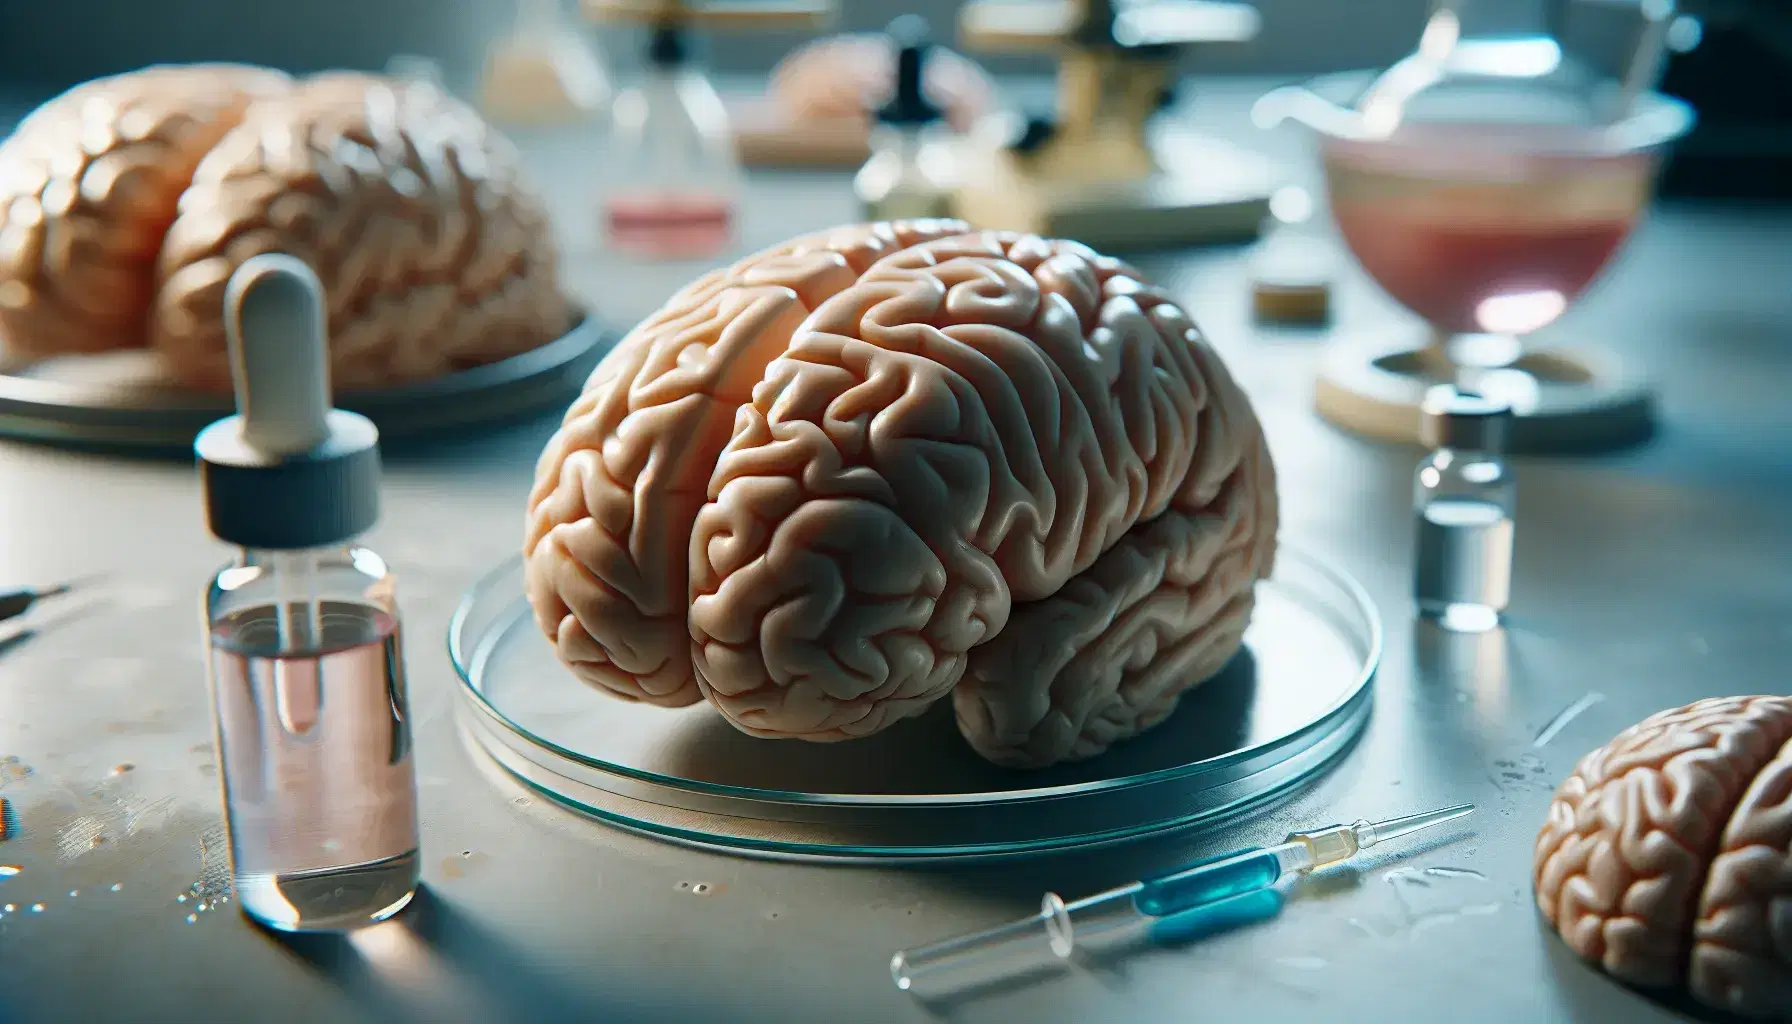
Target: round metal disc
x,y
1285,708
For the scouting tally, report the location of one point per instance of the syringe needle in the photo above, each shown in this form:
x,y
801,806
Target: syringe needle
x,y
1370,833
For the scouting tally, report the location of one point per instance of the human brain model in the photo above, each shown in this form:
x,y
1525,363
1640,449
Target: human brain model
x,y
829,485
432,256
89,183
126,203
1667,854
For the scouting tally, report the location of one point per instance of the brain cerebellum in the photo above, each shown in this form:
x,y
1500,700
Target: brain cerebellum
x,y
820,485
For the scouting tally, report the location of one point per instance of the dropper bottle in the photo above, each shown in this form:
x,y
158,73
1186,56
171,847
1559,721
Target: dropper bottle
x,y
305,664
911,170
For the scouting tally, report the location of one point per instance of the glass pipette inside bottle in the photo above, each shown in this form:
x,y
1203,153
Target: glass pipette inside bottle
x,y
1180,905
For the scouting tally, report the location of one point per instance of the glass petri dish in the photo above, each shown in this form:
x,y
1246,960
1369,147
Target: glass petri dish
x,y
1291,703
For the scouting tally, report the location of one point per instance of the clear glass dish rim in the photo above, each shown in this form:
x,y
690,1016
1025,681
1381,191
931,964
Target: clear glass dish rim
x,y
1319,726
1660,121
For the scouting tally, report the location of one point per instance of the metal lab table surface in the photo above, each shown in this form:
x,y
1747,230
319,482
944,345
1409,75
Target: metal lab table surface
x,y
1651,578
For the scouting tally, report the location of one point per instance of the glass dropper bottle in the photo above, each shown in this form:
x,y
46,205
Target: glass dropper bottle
x,y
305,664
910,171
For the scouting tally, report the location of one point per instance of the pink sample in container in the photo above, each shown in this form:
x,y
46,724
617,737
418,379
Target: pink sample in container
x,y
1484,182
677,176
669,225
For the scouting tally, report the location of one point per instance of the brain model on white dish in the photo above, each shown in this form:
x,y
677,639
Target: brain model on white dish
x,y
874,468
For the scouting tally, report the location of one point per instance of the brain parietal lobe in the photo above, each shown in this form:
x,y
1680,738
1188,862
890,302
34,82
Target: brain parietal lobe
x,y
820,487
1667,854
434,255
89,183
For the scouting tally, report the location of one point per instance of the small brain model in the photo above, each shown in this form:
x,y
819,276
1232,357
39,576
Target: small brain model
x,y
432,255
126,203
829,485
848,77
1667,855
89,183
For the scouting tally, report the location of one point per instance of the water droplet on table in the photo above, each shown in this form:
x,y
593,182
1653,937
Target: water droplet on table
x,y
9,870
1449,872
116,886
37,908
191,918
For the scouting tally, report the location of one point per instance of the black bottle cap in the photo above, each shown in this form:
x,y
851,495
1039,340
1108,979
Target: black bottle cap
x,y
667,47
909,105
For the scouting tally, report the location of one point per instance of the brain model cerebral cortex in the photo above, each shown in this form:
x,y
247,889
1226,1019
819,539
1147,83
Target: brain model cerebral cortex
x,y
89,182
830,485
408,206
1667,854
126,203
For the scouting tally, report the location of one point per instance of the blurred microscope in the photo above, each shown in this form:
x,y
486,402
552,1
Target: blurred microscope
x,y
1097,169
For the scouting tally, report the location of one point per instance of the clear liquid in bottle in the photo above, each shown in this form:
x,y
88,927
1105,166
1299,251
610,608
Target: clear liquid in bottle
x,y
314,742
1464,577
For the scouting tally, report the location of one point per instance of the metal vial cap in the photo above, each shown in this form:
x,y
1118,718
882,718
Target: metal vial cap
x,y
1452,418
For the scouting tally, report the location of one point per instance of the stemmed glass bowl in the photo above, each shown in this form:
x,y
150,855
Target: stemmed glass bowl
x,y
1484,184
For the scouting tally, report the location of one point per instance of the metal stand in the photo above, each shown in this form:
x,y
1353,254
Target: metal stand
x,y
1092,172
1569,399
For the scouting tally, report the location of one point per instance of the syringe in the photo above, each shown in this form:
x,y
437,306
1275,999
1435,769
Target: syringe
x,y
1185,903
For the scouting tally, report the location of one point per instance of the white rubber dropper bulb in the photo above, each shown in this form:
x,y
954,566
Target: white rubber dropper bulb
x,y
276,329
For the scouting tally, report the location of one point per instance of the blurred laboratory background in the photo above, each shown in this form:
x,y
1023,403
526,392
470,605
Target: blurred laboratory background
x,y
1298,36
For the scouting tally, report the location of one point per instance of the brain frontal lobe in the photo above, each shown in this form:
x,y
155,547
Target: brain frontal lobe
x,y
821,484
620,483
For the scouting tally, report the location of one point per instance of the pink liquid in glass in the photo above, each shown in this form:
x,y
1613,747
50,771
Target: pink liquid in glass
x,y
1505,255
669,225
1447,272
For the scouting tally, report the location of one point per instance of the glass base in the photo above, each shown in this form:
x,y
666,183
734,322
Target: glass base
x,y
1462,618
337,900
1565,399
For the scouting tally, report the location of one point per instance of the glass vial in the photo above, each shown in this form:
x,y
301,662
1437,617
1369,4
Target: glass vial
x,y
1463,502
673,151
543,74
911,172
1292,266
313,737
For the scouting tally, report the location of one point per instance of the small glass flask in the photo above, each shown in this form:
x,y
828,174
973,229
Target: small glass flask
x,y
911,172
678,181
543,74
305,664
1463,501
